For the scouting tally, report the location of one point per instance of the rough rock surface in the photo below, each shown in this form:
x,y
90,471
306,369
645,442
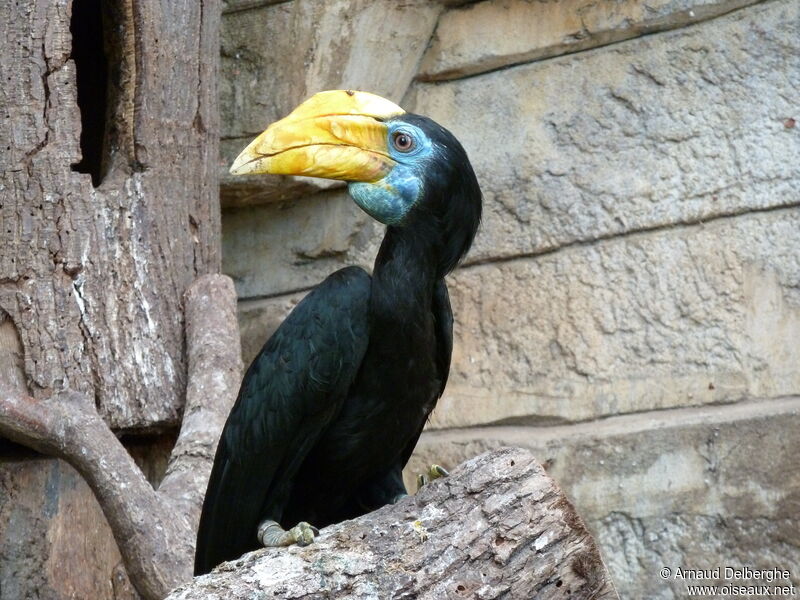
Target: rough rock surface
x,y
641,322
288,246
679,127
676,128
647,321
638,257
497,527
609,302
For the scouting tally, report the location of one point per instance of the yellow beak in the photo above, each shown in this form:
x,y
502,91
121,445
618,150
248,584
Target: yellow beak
x,y
336,134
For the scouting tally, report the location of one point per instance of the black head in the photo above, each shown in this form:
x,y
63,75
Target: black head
x,y
432,185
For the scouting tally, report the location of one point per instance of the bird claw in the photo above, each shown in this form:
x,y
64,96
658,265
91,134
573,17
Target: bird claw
x,y
434,472
271,534
303,533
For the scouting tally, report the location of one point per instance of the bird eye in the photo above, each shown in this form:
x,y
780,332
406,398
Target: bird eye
x,y
403,142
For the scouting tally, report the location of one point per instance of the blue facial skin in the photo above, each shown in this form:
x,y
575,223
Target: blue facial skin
x,y
390,199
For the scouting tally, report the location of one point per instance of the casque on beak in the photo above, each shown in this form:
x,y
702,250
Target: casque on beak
x,y
336,134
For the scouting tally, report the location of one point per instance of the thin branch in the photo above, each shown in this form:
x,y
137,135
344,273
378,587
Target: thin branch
x,y
67,426
215,367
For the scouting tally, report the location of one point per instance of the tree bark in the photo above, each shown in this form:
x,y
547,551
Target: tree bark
x,y
94,264
498,527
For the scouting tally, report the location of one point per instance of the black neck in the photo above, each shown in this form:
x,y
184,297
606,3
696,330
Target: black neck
x,y
406,268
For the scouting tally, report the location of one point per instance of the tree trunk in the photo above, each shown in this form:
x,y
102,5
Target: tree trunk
x,y
109,210
109,206
498,527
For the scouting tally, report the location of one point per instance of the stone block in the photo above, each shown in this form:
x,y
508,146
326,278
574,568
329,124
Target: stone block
x,y
287,246
679,127
575,163
678,317
696,488
498,33
258,320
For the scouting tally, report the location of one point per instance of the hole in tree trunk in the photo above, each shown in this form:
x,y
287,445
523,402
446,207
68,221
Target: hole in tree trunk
x,y
91,64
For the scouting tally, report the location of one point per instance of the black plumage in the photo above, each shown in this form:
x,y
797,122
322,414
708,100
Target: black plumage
x,y
330,410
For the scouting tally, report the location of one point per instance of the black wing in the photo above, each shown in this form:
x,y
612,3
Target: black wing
x,y
293,389
443,324
443,319
389,485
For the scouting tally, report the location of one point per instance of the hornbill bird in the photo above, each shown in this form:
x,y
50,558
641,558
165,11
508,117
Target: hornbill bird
x,y
330,410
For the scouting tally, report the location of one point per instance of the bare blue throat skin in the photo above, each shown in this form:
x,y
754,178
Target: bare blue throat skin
x,y
389,199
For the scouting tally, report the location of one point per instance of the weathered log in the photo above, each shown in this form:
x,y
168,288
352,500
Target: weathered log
x,y
499,526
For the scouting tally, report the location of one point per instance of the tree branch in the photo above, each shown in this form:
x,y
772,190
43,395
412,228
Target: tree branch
x,y
215,371
154,530
499,526
148,534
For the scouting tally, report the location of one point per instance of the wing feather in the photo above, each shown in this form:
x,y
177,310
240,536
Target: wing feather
x,y
288,396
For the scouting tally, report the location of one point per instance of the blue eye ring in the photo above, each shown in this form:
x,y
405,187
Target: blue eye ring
x,y
403,141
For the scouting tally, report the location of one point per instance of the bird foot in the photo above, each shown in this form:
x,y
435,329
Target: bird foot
x,y
434,472
270,534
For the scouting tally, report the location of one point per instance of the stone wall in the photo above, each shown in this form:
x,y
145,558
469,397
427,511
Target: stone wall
x,y
631,308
